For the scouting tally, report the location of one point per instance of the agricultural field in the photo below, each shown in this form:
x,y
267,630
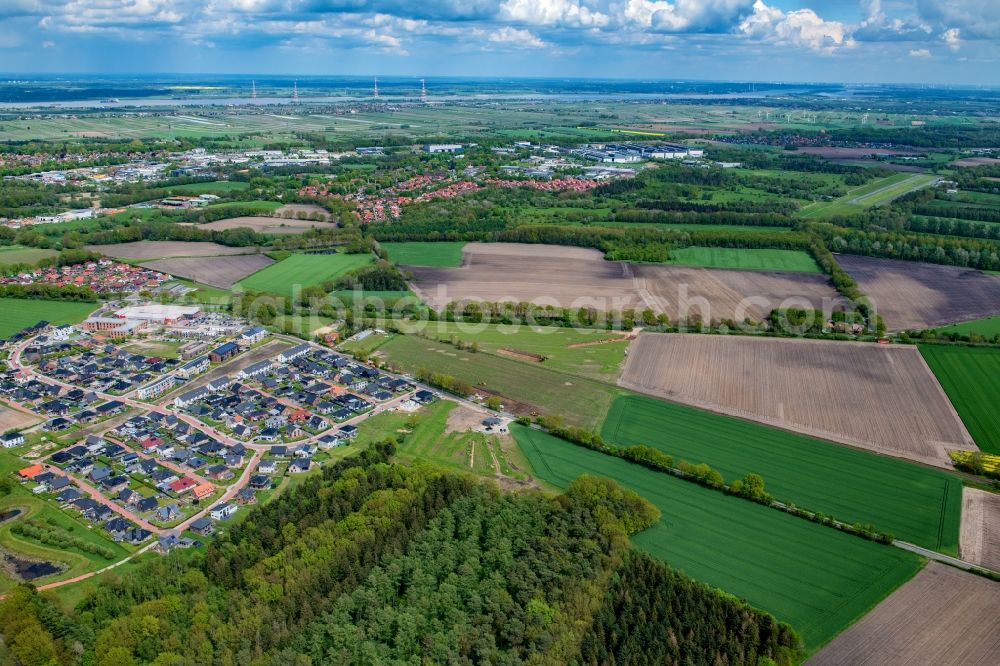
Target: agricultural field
x,y
877,397
915,296
591,353
793,261
912,502
303,270
875,193
443,254
988,327
146,250
24,255
524,387
980,536
263,225
19,313
220,272
971,378
815,578
213,187
943,616
579,277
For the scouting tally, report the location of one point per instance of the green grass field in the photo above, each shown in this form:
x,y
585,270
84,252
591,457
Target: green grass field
x,y
592,353
875,193
815,578
425,439
21,312
213,187
971,378
444,254
303,270
579,400
795,261
913,503
988,327
23,255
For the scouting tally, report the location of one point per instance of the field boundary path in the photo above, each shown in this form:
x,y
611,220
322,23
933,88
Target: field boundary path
x,y
945,559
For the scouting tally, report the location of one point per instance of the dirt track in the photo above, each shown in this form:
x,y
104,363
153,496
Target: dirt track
x,y
882,398
912,295
572,277
221,272
942,617
980,536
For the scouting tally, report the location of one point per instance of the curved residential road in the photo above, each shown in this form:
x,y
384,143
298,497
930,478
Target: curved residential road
x,y
258,449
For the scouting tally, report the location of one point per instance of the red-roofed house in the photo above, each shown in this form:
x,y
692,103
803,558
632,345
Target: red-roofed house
x,y
31,472
182,485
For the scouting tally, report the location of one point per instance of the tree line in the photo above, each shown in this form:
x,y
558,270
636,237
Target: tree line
x,y
369,561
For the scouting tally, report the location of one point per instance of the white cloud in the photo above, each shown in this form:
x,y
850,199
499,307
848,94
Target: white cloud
x,y
687,15
801,28
516,37
551,12
920,53
977,19
952,38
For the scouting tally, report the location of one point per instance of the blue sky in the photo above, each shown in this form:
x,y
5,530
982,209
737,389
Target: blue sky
x,y
914,41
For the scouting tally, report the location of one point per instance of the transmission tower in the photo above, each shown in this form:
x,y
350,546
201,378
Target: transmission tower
x,y
253,89
423,91
295,92
376,88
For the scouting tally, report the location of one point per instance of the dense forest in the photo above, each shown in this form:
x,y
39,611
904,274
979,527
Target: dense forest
x,y
371,562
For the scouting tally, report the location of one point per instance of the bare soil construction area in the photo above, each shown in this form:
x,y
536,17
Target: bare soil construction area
x,y
221,272
943,617
912,295
979,541
877,397
14,419
264,225
573,277
168,249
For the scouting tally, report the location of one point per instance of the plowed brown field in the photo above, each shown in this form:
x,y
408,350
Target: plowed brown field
x,y
265,225
572,277
878,397
912,295
980,535
221,272
167,249
942,617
